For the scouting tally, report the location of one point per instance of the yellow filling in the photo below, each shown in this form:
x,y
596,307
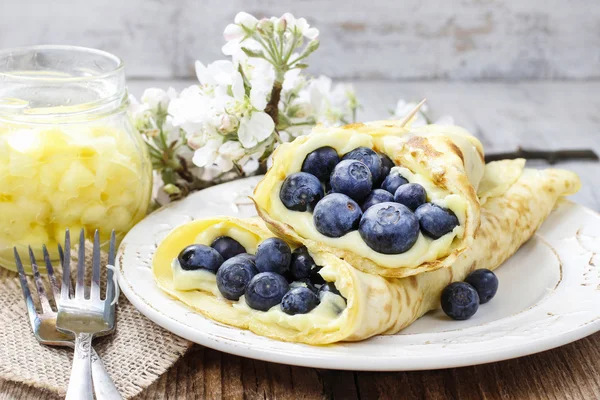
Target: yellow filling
x,y
324,316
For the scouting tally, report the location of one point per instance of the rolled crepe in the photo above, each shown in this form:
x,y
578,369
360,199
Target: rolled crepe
x,y
445,160
516,204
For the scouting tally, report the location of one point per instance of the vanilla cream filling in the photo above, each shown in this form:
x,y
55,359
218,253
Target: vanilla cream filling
x,y
425,248
323,317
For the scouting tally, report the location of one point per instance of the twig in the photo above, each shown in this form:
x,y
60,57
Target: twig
x,y
412,113
552,157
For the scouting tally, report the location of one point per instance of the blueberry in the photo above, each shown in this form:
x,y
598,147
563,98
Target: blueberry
x,y
250,257
369,158
412,195
393,181
304,283
227,247
315,276
234,275
302,263
375,197
460,301
485,282
265,290
389,228
329,287
336,215
273,255
321,162
301,192
352,178
299,300
386,165
436,221
199,256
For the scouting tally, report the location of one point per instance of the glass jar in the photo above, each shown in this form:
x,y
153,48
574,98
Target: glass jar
x,y
70,156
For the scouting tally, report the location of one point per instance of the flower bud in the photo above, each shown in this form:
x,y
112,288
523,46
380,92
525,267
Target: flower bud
x,y
265,27
195,142
171,189
280,25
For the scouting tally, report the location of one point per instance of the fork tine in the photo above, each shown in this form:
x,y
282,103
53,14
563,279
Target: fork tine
x,y
110,283
66,265
50,269
79,286
95,291
33,316
39,283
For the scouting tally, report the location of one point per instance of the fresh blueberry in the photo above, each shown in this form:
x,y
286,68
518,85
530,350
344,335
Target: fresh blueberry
x,y
369,158
336,214
299,300
234,275
436,221
460,301
321,162
352,178
412,195
250,257
375,197
265,290
485,282
199,256
329,287
302,263
301,192
273,255
315,276
227,247
389,228
393,181
386,165
304,283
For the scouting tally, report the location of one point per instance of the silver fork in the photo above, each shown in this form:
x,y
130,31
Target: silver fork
x,y
44,325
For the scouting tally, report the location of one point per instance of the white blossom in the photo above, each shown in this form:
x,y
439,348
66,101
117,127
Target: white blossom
x,y
255,129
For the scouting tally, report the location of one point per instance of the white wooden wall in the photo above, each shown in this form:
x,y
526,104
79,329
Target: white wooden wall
x,y
384,39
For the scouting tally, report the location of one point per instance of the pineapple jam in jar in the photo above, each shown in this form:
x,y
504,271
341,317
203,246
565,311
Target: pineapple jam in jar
x,y
70,156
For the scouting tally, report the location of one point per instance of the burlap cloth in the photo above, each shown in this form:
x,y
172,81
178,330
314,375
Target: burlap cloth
x,y
135,355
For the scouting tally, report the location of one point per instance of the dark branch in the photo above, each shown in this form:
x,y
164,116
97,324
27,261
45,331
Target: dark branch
x,y
552,157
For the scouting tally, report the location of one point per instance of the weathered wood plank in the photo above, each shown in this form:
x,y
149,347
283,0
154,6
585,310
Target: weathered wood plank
x,y
412,39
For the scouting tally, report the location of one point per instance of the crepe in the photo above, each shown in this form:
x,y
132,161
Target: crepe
x,y
446,160
516,204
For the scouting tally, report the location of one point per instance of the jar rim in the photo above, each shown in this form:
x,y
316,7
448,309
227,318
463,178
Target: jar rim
x,y
118,68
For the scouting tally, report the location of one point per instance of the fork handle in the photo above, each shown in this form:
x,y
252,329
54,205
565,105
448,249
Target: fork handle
x,y
104,388
80,383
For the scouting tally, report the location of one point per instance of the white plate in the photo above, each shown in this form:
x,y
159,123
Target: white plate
x,y
549,295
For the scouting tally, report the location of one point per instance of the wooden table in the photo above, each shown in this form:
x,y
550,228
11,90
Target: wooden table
x,y
504,116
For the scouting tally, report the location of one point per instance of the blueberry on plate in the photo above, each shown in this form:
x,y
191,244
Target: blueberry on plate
x,y
369,157
301,192
234,275
199,256
352,178
299,300
321,162
375,197
336,215
273,255
460,301
386,166
329,287
227,247
304,283
485,282
389,228
393,181
315,276
265,290
412,195
435,221
302,263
